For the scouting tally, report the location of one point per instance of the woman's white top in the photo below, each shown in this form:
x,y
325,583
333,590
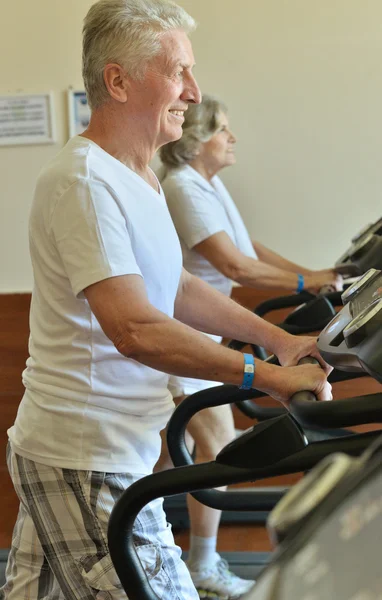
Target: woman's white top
x,y
200,209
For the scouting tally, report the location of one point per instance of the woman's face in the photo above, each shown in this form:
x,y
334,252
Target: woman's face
x,y
218,152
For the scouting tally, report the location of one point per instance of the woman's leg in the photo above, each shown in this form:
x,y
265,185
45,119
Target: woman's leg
x,y
211,429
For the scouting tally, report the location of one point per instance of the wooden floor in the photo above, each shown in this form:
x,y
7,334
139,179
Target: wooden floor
x,y
13,353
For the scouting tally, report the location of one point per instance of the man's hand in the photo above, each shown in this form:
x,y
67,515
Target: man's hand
x,y
305,377
296,348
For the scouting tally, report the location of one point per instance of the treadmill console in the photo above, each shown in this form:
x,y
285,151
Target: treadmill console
x,y
352,341
365,253
363,292
370,228
336,553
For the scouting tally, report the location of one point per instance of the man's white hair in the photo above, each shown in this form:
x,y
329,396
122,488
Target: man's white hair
x,y
126,32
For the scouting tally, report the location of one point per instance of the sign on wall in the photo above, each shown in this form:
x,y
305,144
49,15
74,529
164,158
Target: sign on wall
x,y
79,112
27,119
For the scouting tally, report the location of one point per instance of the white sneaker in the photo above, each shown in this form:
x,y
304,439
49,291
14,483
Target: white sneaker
x,y
219,582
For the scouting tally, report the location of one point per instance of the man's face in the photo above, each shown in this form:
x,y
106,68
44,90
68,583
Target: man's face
x,y
166,90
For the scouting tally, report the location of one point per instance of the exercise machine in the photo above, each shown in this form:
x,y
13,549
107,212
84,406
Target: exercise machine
x,y
374,228
176,506
353,341
328,531
313,312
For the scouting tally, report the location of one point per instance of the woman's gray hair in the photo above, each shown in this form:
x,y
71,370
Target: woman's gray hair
x,y
200,124
126,32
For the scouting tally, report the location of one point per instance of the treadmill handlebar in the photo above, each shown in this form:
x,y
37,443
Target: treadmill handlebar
x,y
282,302
120,529
254,411
276,304
341,413
332,298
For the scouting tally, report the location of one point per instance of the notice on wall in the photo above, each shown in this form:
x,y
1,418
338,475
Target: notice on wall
x,y
26,119
79,111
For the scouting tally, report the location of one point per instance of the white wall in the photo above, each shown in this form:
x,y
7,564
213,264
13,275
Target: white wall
x,y
40,50
303,83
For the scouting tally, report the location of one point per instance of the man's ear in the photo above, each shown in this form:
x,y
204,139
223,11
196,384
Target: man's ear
x,y
116,82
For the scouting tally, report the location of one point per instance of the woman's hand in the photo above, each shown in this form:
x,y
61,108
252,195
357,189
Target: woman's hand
x,y
326,280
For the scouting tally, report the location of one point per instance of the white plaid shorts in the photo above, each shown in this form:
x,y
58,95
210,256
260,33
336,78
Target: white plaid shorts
x,y
59,546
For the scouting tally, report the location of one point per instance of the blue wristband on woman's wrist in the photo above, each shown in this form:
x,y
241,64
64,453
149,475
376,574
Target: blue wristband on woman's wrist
x,y
249,372
300,283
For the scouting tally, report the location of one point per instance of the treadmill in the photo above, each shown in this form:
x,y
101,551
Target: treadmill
x,y
320,309
313,313
253,505
375,227
353,342
332,549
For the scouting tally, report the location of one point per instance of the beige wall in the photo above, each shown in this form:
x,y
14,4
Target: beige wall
x,y
302,79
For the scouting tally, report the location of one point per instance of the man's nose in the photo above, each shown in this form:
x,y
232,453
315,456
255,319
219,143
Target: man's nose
x,y
192,93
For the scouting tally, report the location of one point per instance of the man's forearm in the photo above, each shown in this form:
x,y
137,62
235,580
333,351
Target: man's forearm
x,y
171,346
147,335
205,309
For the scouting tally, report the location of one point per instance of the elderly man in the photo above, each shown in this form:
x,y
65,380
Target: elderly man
x,y
112,313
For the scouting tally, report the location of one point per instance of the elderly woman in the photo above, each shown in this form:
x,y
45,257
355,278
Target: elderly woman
x,y
112,314
217,248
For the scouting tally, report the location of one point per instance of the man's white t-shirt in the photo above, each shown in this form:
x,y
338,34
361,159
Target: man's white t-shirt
x,y
85,405
200,209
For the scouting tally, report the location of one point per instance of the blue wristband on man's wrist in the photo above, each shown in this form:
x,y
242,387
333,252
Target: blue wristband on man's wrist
x,y
249,372
300,283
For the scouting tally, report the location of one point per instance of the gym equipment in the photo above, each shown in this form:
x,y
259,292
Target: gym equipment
x,y
356,298
313,313
361,300
182,479
330,537
247,510
374,228
3,564
364,253
176,508
235,462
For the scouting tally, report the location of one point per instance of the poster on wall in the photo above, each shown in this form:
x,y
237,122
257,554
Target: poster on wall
x,y
27,119
79,111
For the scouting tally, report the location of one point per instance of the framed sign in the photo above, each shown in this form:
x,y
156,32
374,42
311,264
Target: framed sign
x,y
27,119
79,111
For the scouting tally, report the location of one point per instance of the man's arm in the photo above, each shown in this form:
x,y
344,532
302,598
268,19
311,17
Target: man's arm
x,y
141,332
202,307
222,253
